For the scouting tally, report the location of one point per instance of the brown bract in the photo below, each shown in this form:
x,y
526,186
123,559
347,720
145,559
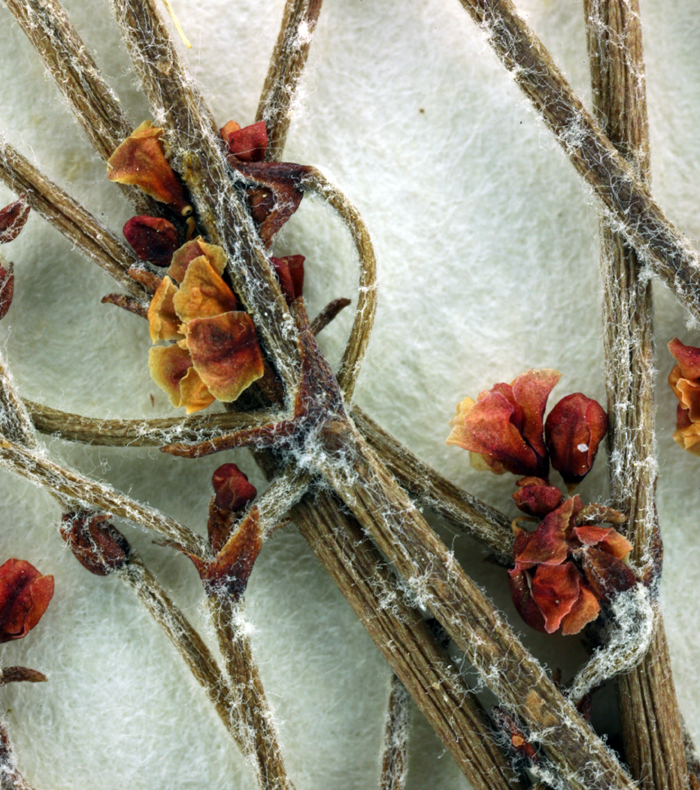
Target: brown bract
x,y
563,572
504,426
685,383
217,355
97,545
573,432
24,597
140,161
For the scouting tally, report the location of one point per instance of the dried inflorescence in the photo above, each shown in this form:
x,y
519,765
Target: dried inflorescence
x,y
685,383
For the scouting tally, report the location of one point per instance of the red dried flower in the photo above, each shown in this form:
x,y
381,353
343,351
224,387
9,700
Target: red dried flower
x,y
248,144
154,239
504,426
24,597
563,572
95,542
536,497
573,431
233,491
12,219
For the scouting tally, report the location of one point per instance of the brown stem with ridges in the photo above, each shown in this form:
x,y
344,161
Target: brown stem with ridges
x,y
651,724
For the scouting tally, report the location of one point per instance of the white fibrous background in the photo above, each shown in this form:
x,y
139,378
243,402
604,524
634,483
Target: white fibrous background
x,y
487,252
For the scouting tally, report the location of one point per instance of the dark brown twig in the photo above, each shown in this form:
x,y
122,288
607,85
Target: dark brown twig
x,y
395,752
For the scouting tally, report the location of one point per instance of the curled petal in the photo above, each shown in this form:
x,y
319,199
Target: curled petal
x,y
531,391
140,160
584,611
7,288
24,596
574,429
183,256
688,358
607,575
688,436
154,239
536,497
12,219
248,144
521,593
555,589
194,393
605,539
203,293
485,428
168,366
547,544
225,353
163,322
233,491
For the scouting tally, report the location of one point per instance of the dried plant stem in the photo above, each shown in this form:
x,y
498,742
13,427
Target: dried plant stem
x,y
356,348
199,156
407,643
70,218
624,197
258,732
433,576
93,102
286,67
10,777
68,483
395,754
430,489
651,723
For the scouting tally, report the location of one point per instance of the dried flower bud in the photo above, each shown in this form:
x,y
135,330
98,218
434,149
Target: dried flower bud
x,y
140,160
24,597
573,431
290,273
233,491
21,675
248,144
12,219
154,239
7,288
536,497
97,545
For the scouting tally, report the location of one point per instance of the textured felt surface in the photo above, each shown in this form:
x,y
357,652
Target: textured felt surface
x,y
487,252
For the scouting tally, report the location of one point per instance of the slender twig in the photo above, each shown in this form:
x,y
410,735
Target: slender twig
x,y
431,489
258,732
625,199
327,314
94,104
651,723
70,218
395,752
10,777
285,71
68,483
367,295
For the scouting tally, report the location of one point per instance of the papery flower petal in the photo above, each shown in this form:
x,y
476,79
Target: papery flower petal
x,y
585,610
228,129
203,293
688,393
154,239
225,353
7,288
12,219
485,428
168,366
191,250
249,143
607,575
163,322
233,491
24,596
519,582
531,391
536,497
194,393
547,544
290,272
140,160
688,437
688,358
555,589
574,429
605,539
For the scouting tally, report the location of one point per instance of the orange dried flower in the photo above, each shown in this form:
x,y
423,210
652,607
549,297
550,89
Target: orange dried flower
x,y
24,596
685,383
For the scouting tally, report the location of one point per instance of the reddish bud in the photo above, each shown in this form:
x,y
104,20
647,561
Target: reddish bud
x,y
96,544
573,431
12,220
24,596
154,239
536,497
233,491
7,288
248,144
290,273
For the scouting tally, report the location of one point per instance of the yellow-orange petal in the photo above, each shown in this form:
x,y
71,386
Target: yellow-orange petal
x,y
163,323
140,160
457,436
689,438
194,394
194,249
168,366
203,293
225,353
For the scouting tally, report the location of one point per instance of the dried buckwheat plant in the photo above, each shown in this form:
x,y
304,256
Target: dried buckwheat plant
x,y
198,636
